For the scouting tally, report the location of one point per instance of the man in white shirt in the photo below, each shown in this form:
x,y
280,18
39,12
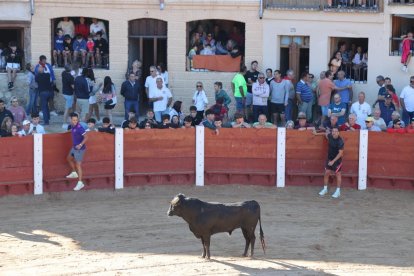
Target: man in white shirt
x,y
407,99
150,81
161,97
260,90
98,26
25,129
361,109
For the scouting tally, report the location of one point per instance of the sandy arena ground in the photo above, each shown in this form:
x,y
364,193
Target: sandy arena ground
x,y
128,232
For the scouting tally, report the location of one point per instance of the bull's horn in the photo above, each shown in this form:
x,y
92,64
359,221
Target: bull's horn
x,y
175,200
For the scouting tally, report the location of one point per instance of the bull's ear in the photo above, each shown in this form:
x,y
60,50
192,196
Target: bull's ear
x,y
181,196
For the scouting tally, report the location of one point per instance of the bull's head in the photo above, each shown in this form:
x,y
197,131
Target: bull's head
x,y
175,205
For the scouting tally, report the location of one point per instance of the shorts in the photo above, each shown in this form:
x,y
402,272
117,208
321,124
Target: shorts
x,y
249,99
92,100
83,105
336,167
239,103
77,154
68,101
324,109
277,108
15,66
109,106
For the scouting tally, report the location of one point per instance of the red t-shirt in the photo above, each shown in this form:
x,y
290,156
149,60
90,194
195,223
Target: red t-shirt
x,y
409,129
82,29
396,130
344,127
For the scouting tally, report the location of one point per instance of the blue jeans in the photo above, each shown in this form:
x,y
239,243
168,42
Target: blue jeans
x,y
128,104
31,105
288,110
44,102
257,110
158,115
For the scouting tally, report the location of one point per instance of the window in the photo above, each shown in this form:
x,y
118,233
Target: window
x,y
294,54
354,54
11,35
401,25
83,41
215,45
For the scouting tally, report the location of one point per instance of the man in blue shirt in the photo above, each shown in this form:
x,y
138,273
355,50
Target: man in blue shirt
x,y
337,109
304,95
347,93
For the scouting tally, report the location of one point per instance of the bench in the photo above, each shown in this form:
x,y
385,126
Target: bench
x,y
26,183
311,175
230,173
392,179
108,178
169,174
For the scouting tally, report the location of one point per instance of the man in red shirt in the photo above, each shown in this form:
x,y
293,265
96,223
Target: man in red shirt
x,y
351,125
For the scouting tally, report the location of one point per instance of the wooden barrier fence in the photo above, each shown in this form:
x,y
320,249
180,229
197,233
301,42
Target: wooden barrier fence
x,y
235,156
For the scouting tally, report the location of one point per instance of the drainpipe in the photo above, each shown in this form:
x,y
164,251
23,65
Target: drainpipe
x,y
261,9
32,7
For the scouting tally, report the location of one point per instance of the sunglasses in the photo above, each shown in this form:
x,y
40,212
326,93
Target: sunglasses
x,y
261,77
368,122
199,86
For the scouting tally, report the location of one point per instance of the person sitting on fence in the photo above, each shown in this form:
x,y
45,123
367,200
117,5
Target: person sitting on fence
x,y
35,126
25,131
107,127
302,124
149,119
165,121
58,48
369,124
406,51
239,121
91,125
337,109
79,48
395,116
5,129
188,122
13,56
396,127
351,125
263,123
410,127
133,125
387,109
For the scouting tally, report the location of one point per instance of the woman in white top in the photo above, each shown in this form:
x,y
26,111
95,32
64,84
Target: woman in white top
x,y
98,26
67,27
162,71
93,88
200,100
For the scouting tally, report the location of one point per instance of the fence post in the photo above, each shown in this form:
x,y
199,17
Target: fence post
x,y
363,160
38,163
281,157
119,158
199,156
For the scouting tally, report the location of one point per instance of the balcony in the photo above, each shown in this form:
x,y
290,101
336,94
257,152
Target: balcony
x,y
401,2
343,6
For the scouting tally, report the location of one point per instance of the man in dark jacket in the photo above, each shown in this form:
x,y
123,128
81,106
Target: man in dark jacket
x,y
130,90
4,112
45,92
81,89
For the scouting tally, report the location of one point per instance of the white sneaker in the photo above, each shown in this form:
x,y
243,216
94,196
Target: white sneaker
x,y
72,175
336,194
323,192
53,113
65,126
79,186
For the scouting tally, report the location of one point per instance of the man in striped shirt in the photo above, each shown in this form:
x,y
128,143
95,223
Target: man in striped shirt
x,y
304,95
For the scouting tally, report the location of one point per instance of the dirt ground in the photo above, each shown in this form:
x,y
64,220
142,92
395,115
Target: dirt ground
x,y
128,232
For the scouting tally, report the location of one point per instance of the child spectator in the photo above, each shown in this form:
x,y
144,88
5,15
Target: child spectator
x,y
35,126
58,48
15,130
175,122
91,125
193,114
192,53
90,47
131,114
239,121
188,122
176,110
25,131
165,118
107,127
132,125
79,48
67,50
218,109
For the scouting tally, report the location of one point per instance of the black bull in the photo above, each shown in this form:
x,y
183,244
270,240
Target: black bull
x,y
206,219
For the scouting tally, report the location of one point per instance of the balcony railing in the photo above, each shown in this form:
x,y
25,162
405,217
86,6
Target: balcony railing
x,y
325,5
395,46
401,2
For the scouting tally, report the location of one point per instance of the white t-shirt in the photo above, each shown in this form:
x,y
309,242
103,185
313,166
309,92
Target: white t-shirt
x,y
67,27
361,111
408,95
151,83
165,93
98,26
39,129
200,100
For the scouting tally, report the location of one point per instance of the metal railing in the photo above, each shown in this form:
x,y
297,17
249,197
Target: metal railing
x,y
401,2
325,5
357,74
395,46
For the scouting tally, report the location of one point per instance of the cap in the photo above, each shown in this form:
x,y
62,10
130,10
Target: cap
x,y
369,119
26,122
301,115
388,96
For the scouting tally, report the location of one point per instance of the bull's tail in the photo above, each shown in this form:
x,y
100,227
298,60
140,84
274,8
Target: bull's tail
x,y
262,236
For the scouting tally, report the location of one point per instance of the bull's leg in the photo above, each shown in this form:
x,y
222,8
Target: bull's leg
x,y
247,238
204,249
252,240
207,246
